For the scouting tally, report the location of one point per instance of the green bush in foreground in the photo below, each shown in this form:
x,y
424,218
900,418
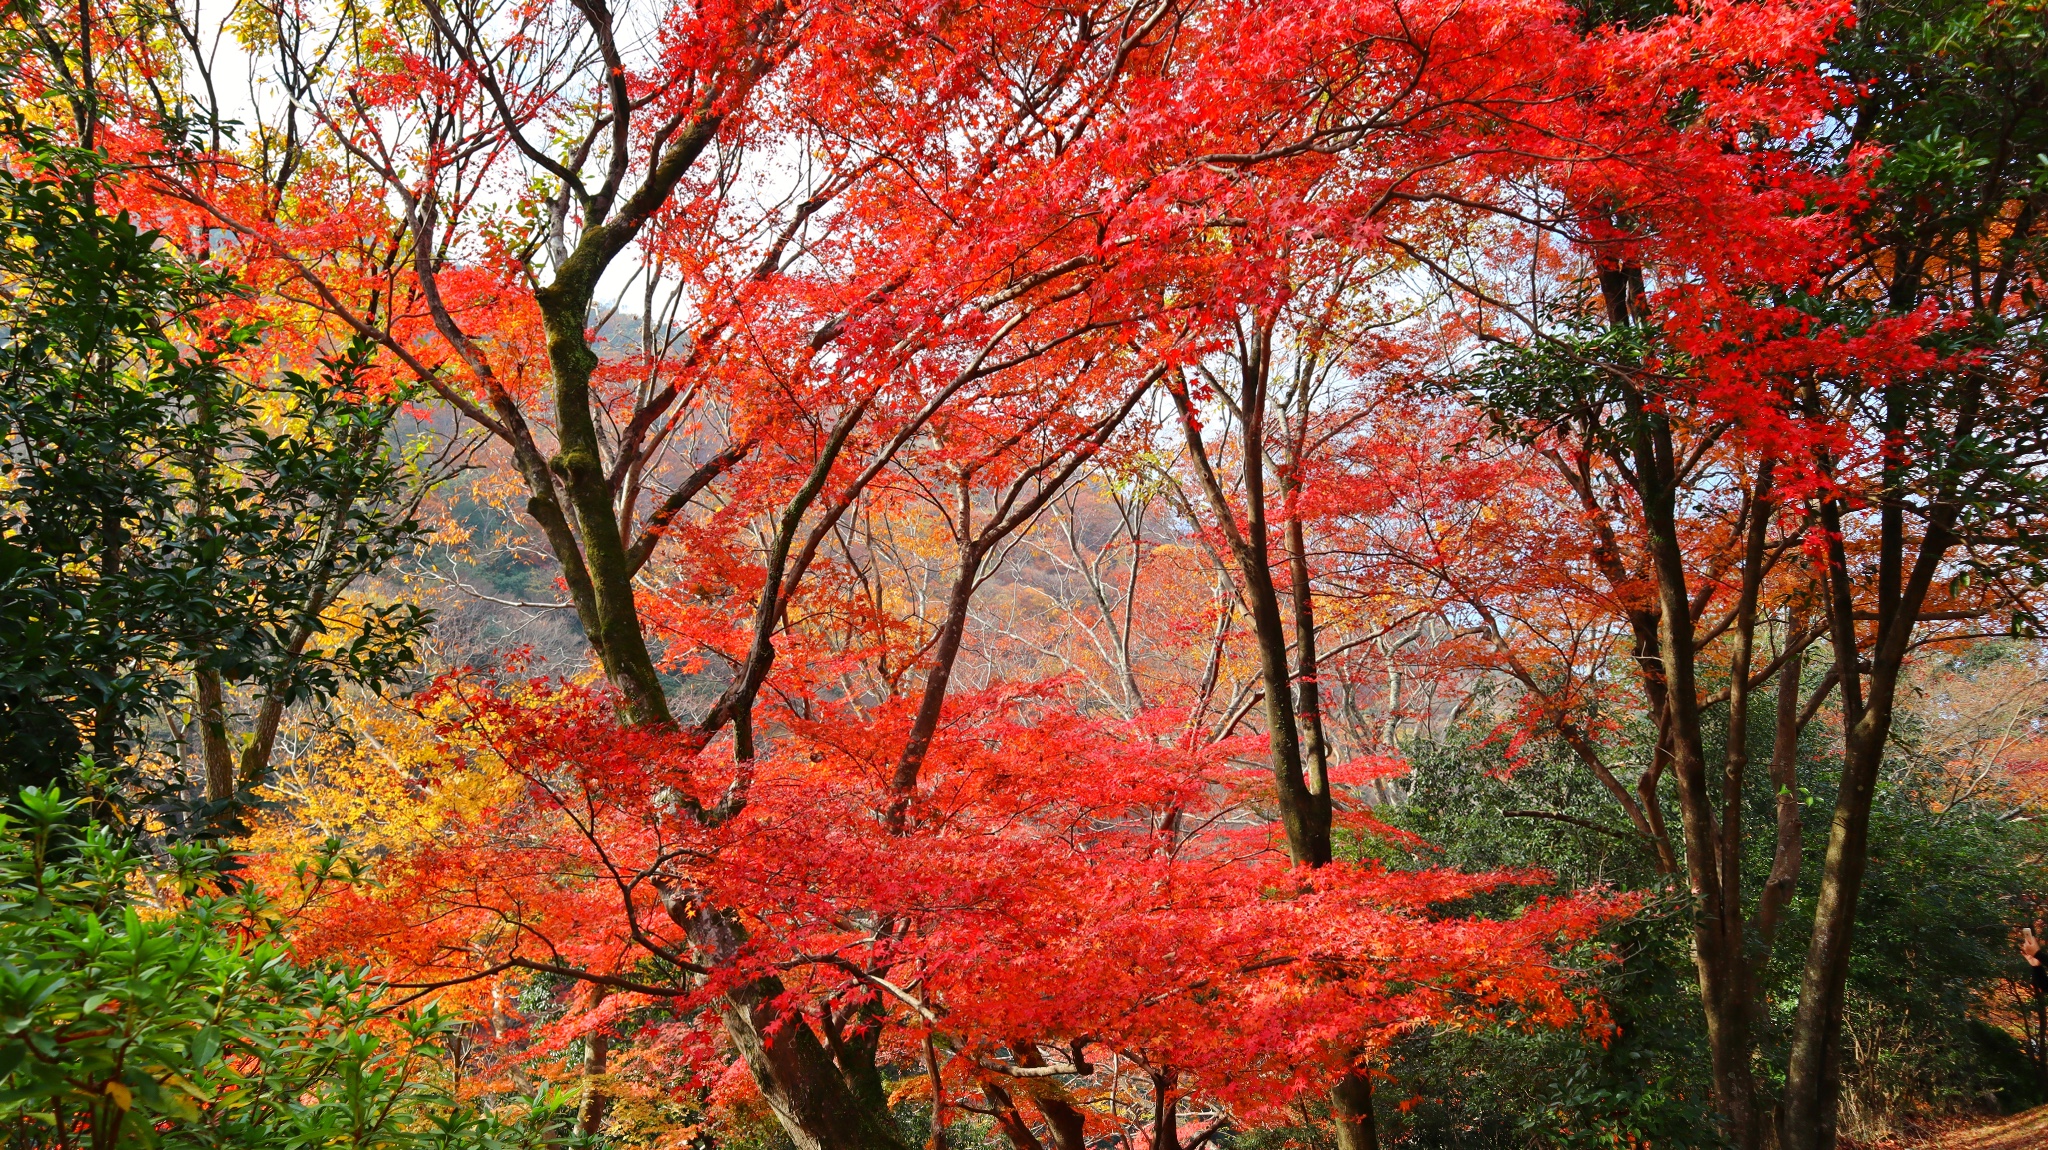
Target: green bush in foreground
x,y
137,1011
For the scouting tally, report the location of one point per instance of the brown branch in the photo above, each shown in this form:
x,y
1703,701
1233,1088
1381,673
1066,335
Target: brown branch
x,y
642,549
1574,820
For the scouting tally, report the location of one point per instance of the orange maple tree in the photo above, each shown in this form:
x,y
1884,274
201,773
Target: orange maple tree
x,y
936,263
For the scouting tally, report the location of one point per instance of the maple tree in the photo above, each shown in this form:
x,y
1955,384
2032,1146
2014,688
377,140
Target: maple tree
x,y
1584,406
1772,450
1101,930
801,1087
918,287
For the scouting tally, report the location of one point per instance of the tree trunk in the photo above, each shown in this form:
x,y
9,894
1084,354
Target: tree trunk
x,y
262,738
1712,850
855,1051
796,1074
614,625
263,734
1067,1124
590,1109
1165,1111
932,704
1813,1071
213,736
1785,861
1351,1105
1304,814
814,1102
1008,1118
1308,708
1306,821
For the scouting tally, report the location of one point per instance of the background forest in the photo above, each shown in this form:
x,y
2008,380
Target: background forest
x,y
1053,575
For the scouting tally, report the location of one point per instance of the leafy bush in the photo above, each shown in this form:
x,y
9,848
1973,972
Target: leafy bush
x,y
138,1010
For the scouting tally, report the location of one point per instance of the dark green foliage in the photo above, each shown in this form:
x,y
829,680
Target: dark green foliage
x,y
1958,90
150,525
307,512
1946,890
1504,1088
178,1020
1956,93
88,387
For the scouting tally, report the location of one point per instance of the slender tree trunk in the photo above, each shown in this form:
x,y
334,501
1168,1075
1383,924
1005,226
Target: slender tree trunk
x,y
1783,881
1710,809
263,733
207,693
1305,820
1308,707
932,704
1712,869
1813,1071
940,1119
1351,1097
597,1045
1300,772
262,738
615,627
1736,1077
1165,1111
1303,814
213,736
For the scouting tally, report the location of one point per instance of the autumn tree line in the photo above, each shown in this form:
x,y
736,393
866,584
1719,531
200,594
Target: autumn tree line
x,y
1063,575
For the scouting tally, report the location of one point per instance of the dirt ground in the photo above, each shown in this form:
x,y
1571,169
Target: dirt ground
x,y
2028,1131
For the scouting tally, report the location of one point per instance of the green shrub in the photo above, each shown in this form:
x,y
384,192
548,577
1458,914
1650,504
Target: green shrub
x,y
138,1010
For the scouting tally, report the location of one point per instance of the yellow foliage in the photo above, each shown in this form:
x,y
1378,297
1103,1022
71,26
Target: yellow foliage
x,y
379,779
